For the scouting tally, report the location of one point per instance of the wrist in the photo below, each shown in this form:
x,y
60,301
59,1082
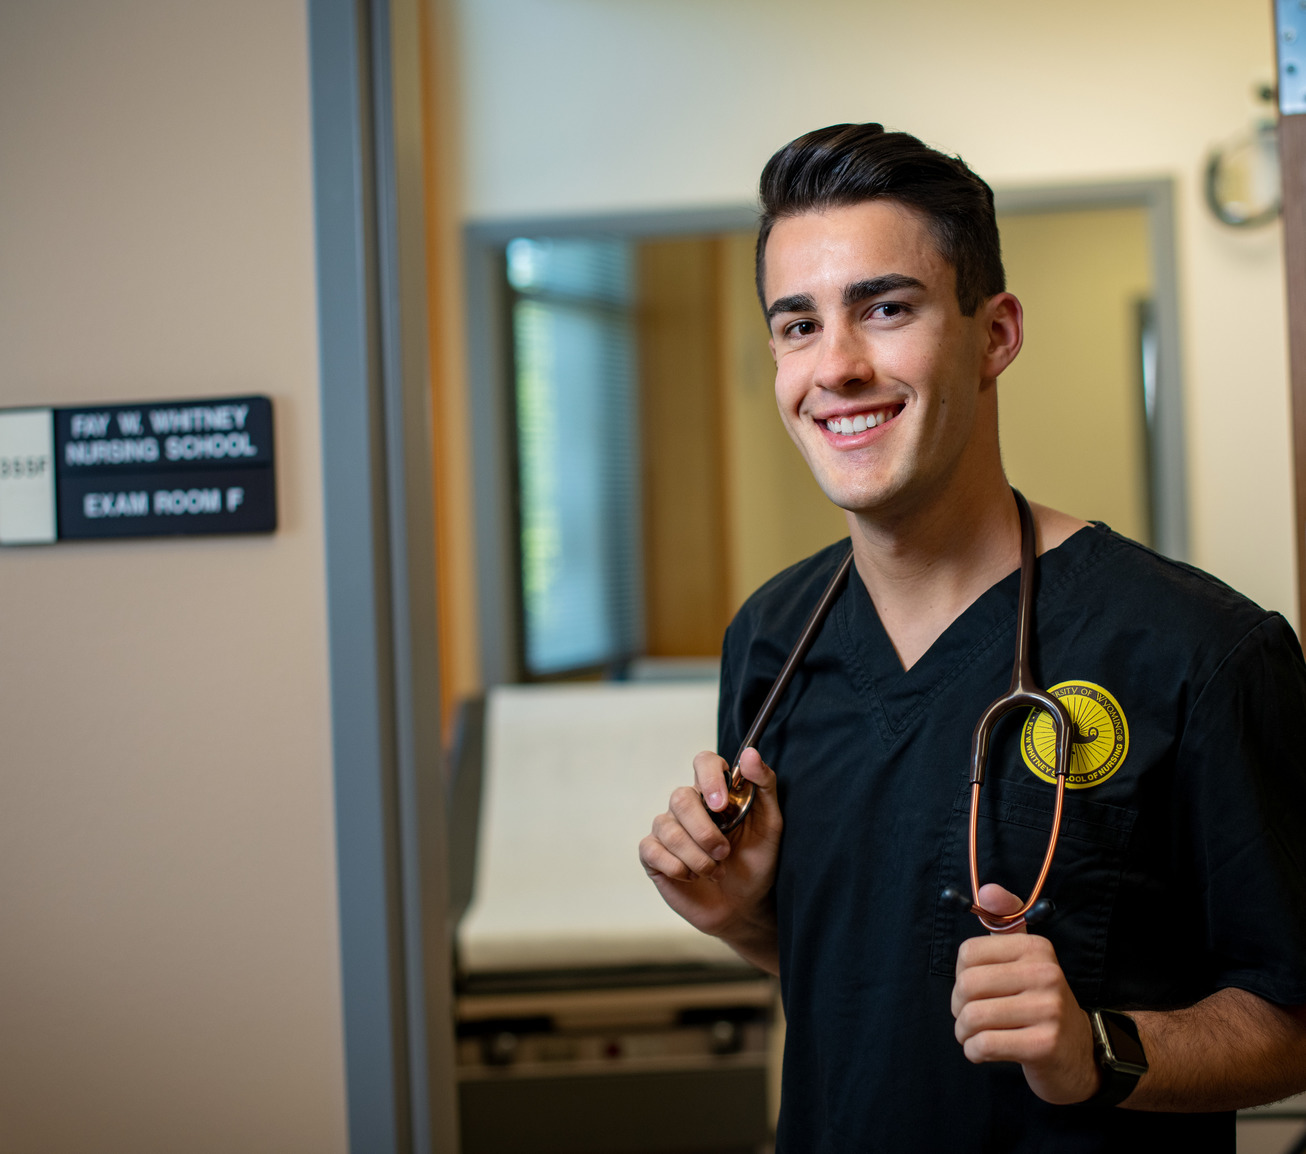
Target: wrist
x,y
1091,1084
1081,1077
754,937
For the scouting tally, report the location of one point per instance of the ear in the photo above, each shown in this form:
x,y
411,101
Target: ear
x,y
1004,327
770,344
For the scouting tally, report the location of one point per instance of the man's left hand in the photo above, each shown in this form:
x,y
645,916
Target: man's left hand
x,y
1012,1004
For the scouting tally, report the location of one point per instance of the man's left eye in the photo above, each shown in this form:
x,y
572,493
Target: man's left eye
x,y
888,310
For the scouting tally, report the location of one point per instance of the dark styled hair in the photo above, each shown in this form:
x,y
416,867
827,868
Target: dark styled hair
x,y
847,164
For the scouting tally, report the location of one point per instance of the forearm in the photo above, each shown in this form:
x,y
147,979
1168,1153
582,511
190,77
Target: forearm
x,y
1228,1051
756,940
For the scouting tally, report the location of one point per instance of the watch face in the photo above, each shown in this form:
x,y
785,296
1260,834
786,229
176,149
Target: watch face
x,y
1122,1041
1127,1048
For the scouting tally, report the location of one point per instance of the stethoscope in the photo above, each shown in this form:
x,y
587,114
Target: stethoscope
x,y
1021,694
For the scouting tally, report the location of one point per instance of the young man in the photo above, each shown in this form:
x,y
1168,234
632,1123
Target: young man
x,y
1179,880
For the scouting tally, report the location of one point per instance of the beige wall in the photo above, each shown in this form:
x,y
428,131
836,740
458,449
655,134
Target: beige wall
x,y
577,106
687,539
169,976
1071,406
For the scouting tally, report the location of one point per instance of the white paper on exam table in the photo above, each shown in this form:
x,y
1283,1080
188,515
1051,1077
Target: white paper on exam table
x,y
573,776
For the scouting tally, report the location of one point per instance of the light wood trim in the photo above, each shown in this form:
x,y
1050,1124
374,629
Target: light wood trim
x,y
454,530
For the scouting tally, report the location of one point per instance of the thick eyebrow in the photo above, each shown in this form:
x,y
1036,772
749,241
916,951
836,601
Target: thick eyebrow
x,y
890,283
798,303
859,290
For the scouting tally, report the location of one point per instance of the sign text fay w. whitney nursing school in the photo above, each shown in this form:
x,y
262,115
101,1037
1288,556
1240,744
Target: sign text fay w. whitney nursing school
x,y
146,470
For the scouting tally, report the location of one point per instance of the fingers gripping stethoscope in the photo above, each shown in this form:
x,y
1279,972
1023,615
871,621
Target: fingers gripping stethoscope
x,y
1021,694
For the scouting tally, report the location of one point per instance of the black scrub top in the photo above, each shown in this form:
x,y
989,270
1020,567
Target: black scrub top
x,y
1181,867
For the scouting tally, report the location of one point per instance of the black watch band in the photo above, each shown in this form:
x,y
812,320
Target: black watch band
x,y
1119,1055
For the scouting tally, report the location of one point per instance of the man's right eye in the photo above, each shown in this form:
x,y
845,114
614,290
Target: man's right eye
x,y
800,329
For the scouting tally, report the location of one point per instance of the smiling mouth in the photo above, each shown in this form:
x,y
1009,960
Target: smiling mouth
x,y
851,426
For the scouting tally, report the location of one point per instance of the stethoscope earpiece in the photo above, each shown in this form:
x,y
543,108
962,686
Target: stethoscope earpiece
x,y
1040,911
952,896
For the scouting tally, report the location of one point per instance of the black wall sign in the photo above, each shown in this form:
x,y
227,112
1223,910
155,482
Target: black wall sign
x,y
156,469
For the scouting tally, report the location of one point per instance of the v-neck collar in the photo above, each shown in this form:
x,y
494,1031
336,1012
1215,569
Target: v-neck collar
x,y
897,695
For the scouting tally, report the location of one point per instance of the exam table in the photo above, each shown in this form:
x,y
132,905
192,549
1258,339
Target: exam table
x,y
591,1019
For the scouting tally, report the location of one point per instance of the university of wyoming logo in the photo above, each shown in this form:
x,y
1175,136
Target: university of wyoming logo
x,y
1098,745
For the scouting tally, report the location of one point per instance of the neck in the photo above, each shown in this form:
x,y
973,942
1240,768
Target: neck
x,y
923,566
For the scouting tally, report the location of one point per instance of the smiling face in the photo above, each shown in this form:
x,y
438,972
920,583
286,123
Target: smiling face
x,y
887,390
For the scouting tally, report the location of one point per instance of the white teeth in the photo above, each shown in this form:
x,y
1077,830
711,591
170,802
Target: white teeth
x,y
858,424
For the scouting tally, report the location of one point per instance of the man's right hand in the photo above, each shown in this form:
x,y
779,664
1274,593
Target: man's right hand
x,y
720,884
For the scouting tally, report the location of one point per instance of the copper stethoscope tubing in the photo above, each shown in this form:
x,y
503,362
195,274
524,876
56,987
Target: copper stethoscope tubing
x,y
740,794
1022,693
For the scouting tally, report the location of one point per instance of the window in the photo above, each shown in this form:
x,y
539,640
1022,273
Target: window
x,y
576,403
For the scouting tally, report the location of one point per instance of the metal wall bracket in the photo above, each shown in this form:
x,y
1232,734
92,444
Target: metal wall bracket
x,y
1290,46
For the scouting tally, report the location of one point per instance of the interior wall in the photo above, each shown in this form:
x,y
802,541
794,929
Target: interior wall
x,y
571,107
170,975
686,542
1071,406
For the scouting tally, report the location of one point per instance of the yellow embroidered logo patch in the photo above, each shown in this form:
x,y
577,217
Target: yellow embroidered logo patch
x,y
1098,745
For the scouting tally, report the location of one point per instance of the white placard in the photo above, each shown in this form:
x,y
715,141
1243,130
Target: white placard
x,y
27,501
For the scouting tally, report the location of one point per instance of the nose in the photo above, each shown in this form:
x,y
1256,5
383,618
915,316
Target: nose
x,y
844,358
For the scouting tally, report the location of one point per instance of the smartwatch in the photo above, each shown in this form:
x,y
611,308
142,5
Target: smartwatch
x,y
1119,1055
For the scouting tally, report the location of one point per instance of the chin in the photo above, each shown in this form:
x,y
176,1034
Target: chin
x,y
860,498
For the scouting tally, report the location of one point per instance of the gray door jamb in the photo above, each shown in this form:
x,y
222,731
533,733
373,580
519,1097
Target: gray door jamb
x,y
377,488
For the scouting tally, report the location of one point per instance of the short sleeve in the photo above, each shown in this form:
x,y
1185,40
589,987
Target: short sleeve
x,y
1241,811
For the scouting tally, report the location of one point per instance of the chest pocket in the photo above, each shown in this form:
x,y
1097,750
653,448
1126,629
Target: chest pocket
x,y
1083,883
